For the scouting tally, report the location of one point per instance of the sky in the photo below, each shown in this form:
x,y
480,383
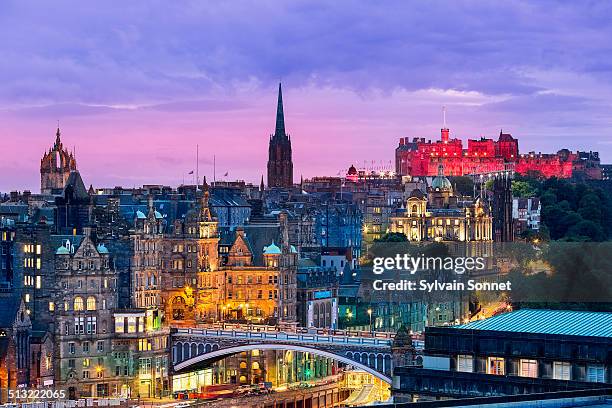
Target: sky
x,y
137,85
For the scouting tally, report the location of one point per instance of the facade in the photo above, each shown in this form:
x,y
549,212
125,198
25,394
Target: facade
x,y
526,214
525,351
418,157
317,296
55,167
86,294
440,216
280,163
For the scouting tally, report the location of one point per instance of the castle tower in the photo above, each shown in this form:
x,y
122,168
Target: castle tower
x,y
55,167
280,164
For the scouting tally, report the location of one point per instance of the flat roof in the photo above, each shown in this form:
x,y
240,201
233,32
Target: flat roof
x,y
567,322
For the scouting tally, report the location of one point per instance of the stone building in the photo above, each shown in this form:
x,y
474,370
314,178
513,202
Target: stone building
x,y
191,276
86,292
441,216
55,167
280,163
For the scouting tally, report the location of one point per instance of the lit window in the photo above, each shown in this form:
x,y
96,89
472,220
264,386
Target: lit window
x,y
78,303
91,303
51,306
496,366
465,363
529,368
561,370
38,281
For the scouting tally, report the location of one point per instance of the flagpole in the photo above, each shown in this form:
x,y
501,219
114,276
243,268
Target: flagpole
x,y
214,169
197,165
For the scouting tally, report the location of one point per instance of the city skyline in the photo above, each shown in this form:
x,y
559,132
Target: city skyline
x,y
146,91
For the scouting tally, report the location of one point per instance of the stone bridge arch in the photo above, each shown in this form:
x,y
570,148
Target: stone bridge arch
x,y
228,351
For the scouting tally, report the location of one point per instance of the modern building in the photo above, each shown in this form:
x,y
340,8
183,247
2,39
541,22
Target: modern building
x,y
520,352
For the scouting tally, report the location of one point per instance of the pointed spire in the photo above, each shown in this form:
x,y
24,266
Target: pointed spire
x,y
280,116
58,142
261,185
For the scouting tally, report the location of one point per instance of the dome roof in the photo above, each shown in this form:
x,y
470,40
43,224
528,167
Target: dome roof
x,y
140,215
102,249
293,250
352,170
440,182
62,251
158,215
272,249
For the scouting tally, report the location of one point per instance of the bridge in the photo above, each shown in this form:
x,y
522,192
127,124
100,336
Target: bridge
x,y
370,352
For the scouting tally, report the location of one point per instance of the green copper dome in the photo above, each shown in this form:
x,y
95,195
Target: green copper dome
x,y
440,182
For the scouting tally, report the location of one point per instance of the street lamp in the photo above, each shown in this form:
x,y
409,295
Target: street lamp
x,y
370,314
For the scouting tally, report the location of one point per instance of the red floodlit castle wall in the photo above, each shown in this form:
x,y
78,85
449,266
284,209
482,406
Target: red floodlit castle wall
x,y
422,158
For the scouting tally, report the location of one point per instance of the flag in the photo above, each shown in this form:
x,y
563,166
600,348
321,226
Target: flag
x,y
191,172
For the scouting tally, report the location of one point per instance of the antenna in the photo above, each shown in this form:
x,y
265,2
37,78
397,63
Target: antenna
x,y
444,115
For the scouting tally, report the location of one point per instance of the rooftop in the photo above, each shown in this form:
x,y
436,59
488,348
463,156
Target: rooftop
x,y
565,322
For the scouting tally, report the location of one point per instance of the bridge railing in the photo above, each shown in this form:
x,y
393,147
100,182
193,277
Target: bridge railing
x,y
285,336
293,329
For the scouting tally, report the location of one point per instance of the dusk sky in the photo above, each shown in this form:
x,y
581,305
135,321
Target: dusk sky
x,y
136,85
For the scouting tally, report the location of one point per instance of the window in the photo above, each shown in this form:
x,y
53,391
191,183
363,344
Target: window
x,y
528,368
85,347
38,282
91,324
118,325
91,303
86,362
465,363
51,306
71,348
561,370
145,366
596,373
79,325
496,366
78,303
100,346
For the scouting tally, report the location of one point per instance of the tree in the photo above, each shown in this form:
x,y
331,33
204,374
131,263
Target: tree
x,y
523,189
392,237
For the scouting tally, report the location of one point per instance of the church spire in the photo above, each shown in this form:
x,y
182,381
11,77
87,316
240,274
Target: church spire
x,y
280,116
58,142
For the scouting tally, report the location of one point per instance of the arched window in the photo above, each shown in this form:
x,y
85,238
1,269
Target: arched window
x,y
414,209
243,364
255,365
91,303
78,303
